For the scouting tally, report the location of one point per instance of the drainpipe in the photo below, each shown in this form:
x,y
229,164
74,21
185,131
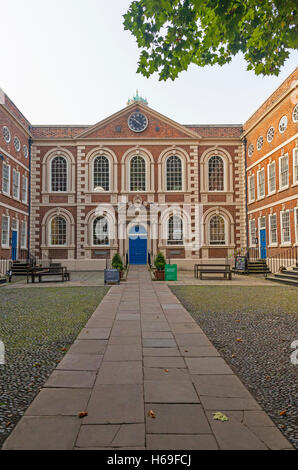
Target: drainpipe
x,y
29,200
245,168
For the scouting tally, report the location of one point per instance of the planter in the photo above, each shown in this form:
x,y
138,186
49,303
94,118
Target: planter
x,y
159,275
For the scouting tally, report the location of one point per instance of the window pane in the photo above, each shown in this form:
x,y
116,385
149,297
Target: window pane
x,y
272,177
23,235
273,229
5,179
251,188
58,231
59,174
285,227
174,174
100,231
252,225
175,230
284,172
4,237
261,183
101,173
217,230
216,174
137,174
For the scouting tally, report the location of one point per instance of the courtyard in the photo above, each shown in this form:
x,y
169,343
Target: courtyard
x,y
144,373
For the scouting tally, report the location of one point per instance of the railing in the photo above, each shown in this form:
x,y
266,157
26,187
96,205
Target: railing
x,y
285,258
253,253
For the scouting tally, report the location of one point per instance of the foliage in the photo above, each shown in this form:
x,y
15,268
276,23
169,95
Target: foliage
x,y
117,262
160,262
172,34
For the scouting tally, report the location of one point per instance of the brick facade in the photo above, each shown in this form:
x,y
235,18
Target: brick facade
x,y
112,138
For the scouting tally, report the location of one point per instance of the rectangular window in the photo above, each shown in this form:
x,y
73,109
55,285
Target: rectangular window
x,y
16,184
295,166
24,189
261,183
252,232
5,232
271,178
251,188
283,172
285,227
272,229
23,235
6,179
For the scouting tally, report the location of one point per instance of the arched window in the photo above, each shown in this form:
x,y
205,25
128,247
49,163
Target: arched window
x,y
216,173
58,231
100,231
217,230
101,173
137,174
174,173
175,230
59,174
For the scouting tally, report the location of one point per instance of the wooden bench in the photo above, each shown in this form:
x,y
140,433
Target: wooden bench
x,y
50,271
224,269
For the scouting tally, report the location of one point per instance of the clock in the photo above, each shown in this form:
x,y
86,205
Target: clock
x,y
137,121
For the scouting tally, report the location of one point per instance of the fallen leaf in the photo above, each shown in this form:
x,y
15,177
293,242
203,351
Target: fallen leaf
x,y
233,355
186,350
63,349
220,416
239,340
268,377
152,414
166,370
9,423
83,414
283,413
238,321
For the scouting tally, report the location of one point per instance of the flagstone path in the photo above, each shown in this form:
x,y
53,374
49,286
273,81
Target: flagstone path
x,y
149,378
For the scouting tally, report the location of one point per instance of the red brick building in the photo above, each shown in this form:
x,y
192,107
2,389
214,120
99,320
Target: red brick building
x,y
272,171
139,182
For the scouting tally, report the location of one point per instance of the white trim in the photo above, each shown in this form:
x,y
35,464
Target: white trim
x,y
294,137
50,175
23,245
13,208
249,189
92,189
252,245
25,201
50,231
290,198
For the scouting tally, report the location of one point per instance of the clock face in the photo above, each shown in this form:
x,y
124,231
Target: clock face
x,y
137,122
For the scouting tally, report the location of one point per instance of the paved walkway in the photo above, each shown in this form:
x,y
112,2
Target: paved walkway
x,y
148,377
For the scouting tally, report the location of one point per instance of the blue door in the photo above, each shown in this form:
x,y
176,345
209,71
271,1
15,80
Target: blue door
x,y
14,245
138,245
263,251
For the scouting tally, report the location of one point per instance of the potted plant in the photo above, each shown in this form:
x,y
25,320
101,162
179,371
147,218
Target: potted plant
x,y
159,263
117,263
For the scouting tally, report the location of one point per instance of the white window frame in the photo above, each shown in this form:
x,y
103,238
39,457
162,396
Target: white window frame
x,y
5,245
9,170
251,178
225,231
260,196
168,232
295,165
285,243
24,199
272,243
4,129
15,172
50,231
110,173
166,175
129,174
23,241
100,245
272,164
252,244
67,175
279,160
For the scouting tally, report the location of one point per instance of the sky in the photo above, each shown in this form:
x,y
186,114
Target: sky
x,y
71,62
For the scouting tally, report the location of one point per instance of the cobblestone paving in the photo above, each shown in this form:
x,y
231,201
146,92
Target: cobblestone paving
x,y
146,377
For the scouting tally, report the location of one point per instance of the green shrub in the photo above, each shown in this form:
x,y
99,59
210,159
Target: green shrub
x,y
160,262
117,262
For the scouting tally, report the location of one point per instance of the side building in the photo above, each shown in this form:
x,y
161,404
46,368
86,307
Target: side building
x,y
272,173
15,135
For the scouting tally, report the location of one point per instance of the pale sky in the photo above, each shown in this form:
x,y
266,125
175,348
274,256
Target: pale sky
x,y
71,62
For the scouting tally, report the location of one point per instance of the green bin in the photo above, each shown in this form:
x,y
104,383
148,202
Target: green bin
x,y
171,272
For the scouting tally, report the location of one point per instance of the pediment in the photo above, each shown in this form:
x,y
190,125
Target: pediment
x,y
116,126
